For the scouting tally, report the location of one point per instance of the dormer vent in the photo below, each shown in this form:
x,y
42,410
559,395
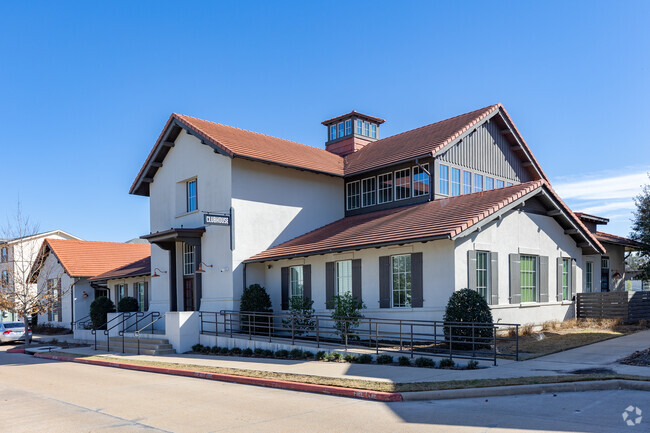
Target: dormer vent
x,y
348,133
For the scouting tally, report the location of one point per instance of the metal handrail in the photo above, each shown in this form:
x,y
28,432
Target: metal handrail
x,y
83,320
105,324
139,331
139,317
471,340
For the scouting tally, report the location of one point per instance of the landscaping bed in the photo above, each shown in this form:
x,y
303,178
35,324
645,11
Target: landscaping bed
x,y
556,336
638,358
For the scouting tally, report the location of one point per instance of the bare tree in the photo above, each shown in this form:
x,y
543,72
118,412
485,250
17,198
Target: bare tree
x,y
17,293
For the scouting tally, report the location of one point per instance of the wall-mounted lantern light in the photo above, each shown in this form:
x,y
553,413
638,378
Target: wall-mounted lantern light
x,y
156,274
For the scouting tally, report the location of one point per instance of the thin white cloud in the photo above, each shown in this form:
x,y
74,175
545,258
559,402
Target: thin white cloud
x,y
605,188
609,208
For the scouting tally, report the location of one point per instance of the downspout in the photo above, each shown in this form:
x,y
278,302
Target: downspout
x,y
244,279
417,162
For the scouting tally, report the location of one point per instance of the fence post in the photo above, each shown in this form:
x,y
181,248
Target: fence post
x,y
411,341
317,333
250,331
269,326
494,330
377,338
451,339
292,330
517,342
473,340
369,332
400,335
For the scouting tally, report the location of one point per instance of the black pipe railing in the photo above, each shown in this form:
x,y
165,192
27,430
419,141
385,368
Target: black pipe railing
x,y
468,340
139,331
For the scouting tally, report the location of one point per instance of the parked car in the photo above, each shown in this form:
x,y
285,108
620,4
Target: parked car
x,y
13,331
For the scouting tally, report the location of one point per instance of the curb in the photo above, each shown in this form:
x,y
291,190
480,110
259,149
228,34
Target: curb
x,y
545,388
271,383
15,351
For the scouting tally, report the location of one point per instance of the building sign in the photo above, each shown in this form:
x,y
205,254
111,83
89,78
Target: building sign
x,y
216,219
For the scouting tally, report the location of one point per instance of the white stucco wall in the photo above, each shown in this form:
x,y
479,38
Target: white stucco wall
x,y
271,204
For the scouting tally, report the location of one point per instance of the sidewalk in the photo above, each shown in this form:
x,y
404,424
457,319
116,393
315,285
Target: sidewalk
x,y
598,355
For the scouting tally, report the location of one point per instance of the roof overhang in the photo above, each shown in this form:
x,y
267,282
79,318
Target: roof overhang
x,y
165,238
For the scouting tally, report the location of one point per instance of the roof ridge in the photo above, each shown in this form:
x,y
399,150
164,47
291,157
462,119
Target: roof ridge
x,y
252,132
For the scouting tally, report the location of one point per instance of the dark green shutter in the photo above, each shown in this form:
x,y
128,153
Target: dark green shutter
x,y
471,269
494,278
330,276
515,279
284,276
146,296
543,279
560,265
356,279
384,282
416,280
306,281
59,302
573,279
117,293
126,289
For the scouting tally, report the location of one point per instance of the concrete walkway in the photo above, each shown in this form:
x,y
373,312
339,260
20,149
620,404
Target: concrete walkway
x,y
598,355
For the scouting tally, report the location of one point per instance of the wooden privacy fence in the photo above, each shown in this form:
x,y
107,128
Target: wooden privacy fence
x,y
628,306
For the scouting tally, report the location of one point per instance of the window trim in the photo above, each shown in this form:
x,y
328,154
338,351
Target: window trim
x,y
426,176
4,255
488,271
363,191
389,189
451,182
392,290
347,195
188,197
395,186
337,277
589,276
536,279
440,179
186,264
300,282
476,178
348,127
566,272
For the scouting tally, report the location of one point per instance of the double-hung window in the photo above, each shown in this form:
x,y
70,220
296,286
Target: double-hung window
x,y
348,127
508,183
188,259
385,189
353,195
296,281
333,132
54,289
499,183
589,277
4,256
529,280
420,180
566,266
341,129
402,184
489,183
444,179
478,183
358,127
366,129
121,292
5,278
343,277
482,277
192,203
373,131
368,194
455,181
139,293
401,280
467,182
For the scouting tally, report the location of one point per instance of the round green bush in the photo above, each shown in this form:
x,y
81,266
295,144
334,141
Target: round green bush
x,y
307,354
404,361
295,354
282,353
128,304
235,351
384,359
364,359
447,363
247,352
468,306
425,362
99,309
255,299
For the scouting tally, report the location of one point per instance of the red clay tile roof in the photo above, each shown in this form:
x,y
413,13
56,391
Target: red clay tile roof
x,y
135,269
88,258
247,144
443,218
619,240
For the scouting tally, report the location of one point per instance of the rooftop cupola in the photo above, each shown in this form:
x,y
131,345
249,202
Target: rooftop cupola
x,y
348,133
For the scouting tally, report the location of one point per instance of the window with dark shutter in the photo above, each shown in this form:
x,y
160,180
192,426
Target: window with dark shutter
x,y
416,281
356,279
543,279
515,279
306,275
330,276
384,281
284,276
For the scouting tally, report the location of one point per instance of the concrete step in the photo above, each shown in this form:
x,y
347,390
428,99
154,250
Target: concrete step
x,y
142,351
148,346
118,344
142,340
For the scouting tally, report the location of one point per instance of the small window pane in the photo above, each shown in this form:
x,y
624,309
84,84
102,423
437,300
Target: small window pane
x,y
366,129
191,196
482,280
296,286
499,183
455,182
528,279
341,130
333,132
402,184
359,126
589,284
420,181
508,183
401,279
467,182
478,183
489,183
344,277
385,191
348,127
188,259
369,195
353,195
373,132
444,180
566,264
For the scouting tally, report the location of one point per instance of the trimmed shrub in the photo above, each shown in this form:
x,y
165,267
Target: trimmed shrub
x,y
224,351
197,348
255,300
258,352
321,355
99,309
404,361
235,351
307,354
127,304
384,359
346,313
364,359
247,352
295,354
350,358
302,316
282,354
425,362
215,350
267,353
468,306
205,349
447,363
472,365
334,357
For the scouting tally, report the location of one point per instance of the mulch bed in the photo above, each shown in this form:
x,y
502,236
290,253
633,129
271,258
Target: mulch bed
x,y
638,358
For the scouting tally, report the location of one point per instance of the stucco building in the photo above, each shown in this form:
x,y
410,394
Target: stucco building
x,y
400,222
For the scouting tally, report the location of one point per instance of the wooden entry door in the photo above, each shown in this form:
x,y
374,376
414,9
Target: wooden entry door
x,y
188,294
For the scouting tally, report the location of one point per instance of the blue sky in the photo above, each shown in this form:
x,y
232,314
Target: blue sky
x,y
86,88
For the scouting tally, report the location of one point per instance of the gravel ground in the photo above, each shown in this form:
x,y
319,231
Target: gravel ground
x,y
638,358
